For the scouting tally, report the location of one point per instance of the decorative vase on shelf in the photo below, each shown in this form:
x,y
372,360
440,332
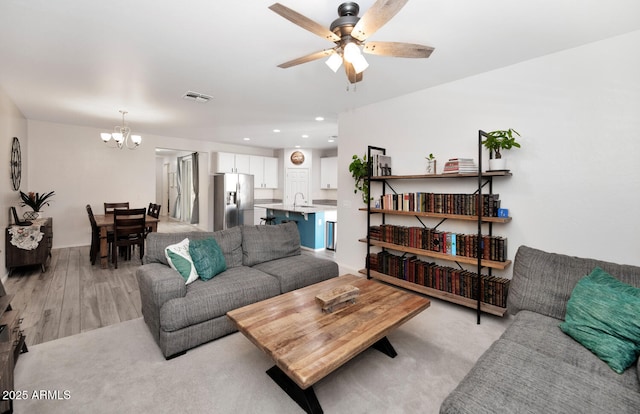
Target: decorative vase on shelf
x,y
31,215
431,166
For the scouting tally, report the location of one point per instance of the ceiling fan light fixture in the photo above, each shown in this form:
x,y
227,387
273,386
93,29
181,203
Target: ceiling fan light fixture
x,y
334,62
360,64
351,52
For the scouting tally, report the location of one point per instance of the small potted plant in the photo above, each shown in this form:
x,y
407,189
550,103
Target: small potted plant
x,y
431,164
359,168
36,201
496,141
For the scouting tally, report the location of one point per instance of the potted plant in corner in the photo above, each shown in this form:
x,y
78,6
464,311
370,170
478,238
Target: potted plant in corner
x,y
496,141
36,202
359,168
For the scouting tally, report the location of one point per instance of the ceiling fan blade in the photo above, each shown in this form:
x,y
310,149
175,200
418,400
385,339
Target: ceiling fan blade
x,y
380,13
307,58
397,49
304,22
352,76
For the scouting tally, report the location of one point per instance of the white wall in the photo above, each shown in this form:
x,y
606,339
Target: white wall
x,y
82,170
576,179
12,124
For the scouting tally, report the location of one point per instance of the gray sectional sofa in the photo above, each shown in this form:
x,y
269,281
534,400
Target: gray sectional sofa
x,y
262,262
534,367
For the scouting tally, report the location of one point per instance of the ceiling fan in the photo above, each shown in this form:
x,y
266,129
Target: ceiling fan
x,y
349,32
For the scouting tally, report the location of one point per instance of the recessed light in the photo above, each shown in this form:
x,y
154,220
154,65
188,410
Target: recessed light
x,y
319,118
332,140
246,139
276,130
297,146
305,136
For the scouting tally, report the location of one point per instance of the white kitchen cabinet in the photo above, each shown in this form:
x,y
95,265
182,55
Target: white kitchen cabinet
x,y
329,173
226,162
264,170
270,172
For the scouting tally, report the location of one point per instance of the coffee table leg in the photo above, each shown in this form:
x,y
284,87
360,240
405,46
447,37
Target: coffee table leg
x,y
306,399
385,347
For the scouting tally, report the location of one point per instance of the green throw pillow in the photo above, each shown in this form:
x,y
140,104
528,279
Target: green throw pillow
x,y
207,257
602,314
179,259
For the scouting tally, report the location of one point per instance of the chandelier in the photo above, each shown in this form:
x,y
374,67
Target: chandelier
x,y
121,136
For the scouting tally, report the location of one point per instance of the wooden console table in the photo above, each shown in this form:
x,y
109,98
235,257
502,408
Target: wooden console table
x,y
16,257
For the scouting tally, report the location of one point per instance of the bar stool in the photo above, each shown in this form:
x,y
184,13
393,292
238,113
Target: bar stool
x,y
269,220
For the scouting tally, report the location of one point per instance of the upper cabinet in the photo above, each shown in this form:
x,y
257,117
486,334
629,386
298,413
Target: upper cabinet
x,y
329,173
231,163
264,170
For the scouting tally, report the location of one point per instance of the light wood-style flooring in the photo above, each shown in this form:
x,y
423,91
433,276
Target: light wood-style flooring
x,y
73,296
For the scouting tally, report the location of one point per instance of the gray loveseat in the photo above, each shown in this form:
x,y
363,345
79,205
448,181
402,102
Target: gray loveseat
x,y
534,367
262,262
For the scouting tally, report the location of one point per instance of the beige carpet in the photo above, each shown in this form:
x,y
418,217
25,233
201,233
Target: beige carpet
x,y
120,369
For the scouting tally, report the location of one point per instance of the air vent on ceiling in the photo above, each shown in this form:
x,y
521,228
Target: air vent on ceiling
x,y
195,96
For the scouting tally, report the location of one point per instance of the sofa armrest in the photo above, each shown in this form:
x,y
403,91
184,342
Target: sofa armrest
x,y
158,284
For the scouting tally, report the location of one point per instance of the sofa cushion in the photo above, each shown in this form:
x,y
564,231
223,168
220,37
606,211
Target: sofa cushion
x,y
229,240
513,378
542,282
299,271
264,243
180,260
542,334
603,315
231,289
207,257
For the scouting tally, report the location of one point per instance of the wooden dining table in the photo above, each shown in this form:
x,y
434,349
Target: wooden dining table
x,y
105,224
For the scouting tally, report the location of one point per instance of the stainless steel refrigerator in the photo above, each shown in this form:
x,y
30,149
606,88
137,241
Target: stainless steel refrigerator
x,y
232,200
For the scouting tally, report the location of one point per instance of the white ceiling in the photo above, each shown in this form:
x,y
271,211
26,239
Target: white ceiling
x,y
79,62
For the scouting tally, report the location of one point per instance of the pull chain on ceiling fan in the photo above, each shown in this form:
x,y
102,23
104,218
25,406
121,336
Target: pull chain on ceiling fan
x,y
349,32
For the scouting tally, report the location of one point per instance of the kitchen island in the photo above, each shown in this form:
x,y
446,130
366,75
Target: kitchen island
x,y
311,220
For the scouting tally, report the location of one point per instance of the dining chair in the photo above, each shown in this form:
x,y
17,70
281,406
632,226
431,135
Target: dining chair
x,y
152,211
109,207
95,236
128,231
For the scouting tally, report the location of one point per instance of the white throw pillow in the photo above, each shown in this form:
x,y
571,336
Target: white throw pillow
x,y
180,260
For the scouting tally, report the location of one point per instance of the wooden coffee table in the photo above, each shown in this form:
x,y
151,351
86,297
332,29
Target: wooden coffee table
x,y
308,344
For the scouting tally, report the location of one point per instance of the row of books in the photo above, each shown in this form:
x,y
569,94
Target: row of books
x,y
444,203
493,290
455,244
460,166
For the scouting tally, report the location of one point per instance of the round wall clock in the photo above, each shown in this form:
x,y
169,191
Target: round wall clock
x,y
297,157
16,164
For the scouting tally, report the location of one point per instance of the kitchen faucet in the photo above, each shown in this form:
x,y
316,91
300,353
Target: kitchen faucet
x,y
295,197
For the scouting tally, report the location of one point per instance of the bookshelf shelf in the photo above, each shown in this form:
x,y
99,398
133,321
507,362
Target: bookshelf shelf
x,y
449,297
437,176
437,255
439,215
483,179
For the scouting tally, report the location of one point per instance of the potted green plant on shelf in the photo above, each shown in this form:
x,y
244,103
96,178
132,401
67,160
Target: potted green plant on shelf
x,y
359,168
500,140
431,164
36,201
